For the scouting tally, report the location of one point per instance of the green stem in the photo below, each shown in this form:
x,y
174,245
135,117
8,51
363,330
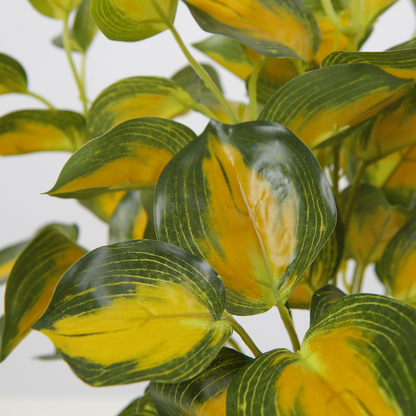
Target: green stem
x,y
203,109
243,334
358,277
67,46
252,87
195,65
38,97
82,79
330,12
290,328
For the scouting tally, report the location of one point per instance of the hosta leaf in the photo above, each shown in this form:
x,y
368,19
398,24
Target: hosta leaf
x,y
132,409
157,306
203,395
104,205
322,300
275,28
131,20
57,9
12,76
136,97
357,359
252,200
30,131
33,281
311,104
396,268
130,156
8,257
84,26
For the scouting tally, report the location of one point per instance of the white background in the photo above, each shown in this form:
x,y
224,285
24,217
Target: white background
x,y
27,385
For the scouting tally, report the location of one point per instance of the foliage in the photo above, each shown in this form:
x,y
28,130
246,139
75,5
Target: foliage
x,y
247,216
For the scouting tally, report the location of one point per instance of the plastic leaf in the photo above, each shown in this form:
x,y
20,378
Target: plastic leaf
x,y
12,76
57,9
157,307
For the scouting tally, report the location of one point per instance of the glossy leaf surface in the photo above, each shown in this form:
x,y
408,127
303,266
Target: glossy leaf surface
x,y
252,200
136,97
203,395
12,76
57,9
311,104
133,409
30,131
357,359
103,205
130,20
130,156
157,307
33,281
275,28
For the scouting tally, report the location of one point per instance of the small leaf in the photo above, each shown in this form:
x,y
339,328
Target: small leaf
x,y
246,198
130,156
57,9
136,97
8,257
84,26
130,20
103,205
311,104
157,306
33,281
30,131
274,28
203,395
132,409
12,76
357,359
322,300
73,44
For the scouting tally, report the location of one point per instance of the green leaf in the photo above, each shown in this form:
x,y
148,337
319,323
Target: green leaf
x,y
131,20
406,45
57,9
343,95
1,328
136,97
322,299
396,269
33,281
357,359
73,44
274,28
130,156
203,395
252,200
84,26
12,76
148,409
103,205
30,131
131,292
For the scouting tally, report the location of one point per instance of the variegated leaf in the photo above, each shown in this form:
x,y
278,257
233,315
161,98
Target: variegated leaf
x,y
12,75
103,205
322,299
136,409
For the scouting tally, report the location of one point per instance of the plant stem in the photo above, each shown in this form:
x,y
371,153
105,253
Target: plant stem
x,y
290,328
252,87
358,277
243,334
330,12
203,109
195,65
67,46
38,97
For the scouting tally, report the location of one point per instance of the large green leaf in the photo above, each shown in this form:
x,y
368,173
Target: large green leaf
x,y
12,76
396,269
57,9
136,97
157,307
203,395
33,281
252,200
343,95
29,131
130,156
276,28
131,20
357,359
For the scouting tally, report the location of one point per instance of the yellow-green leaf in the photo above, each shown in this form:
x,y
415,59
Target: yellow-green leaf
x,y
131,20
252,200
57,9
343,95
130,156
157,307
103,205
357,359
33,281
8,257
84,26
136,408
73,44
30,131
12,76
136,97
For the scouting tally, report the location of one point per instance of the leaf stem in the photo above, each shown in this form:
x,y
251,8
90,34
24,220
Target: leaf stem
x,y
203,109
38,97
195,65
290,328
252,87
243,334
358,277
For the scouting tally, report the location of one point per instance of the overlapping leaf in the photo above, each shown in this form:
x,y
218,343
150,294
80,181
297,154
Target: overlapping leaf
x,y
157,307
322,300
12,75
103,205
357,359
273,28
39,130
343,95
57,9
252,200
203,395
136,97
148,409
8,257
33,281
131,20
130,156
